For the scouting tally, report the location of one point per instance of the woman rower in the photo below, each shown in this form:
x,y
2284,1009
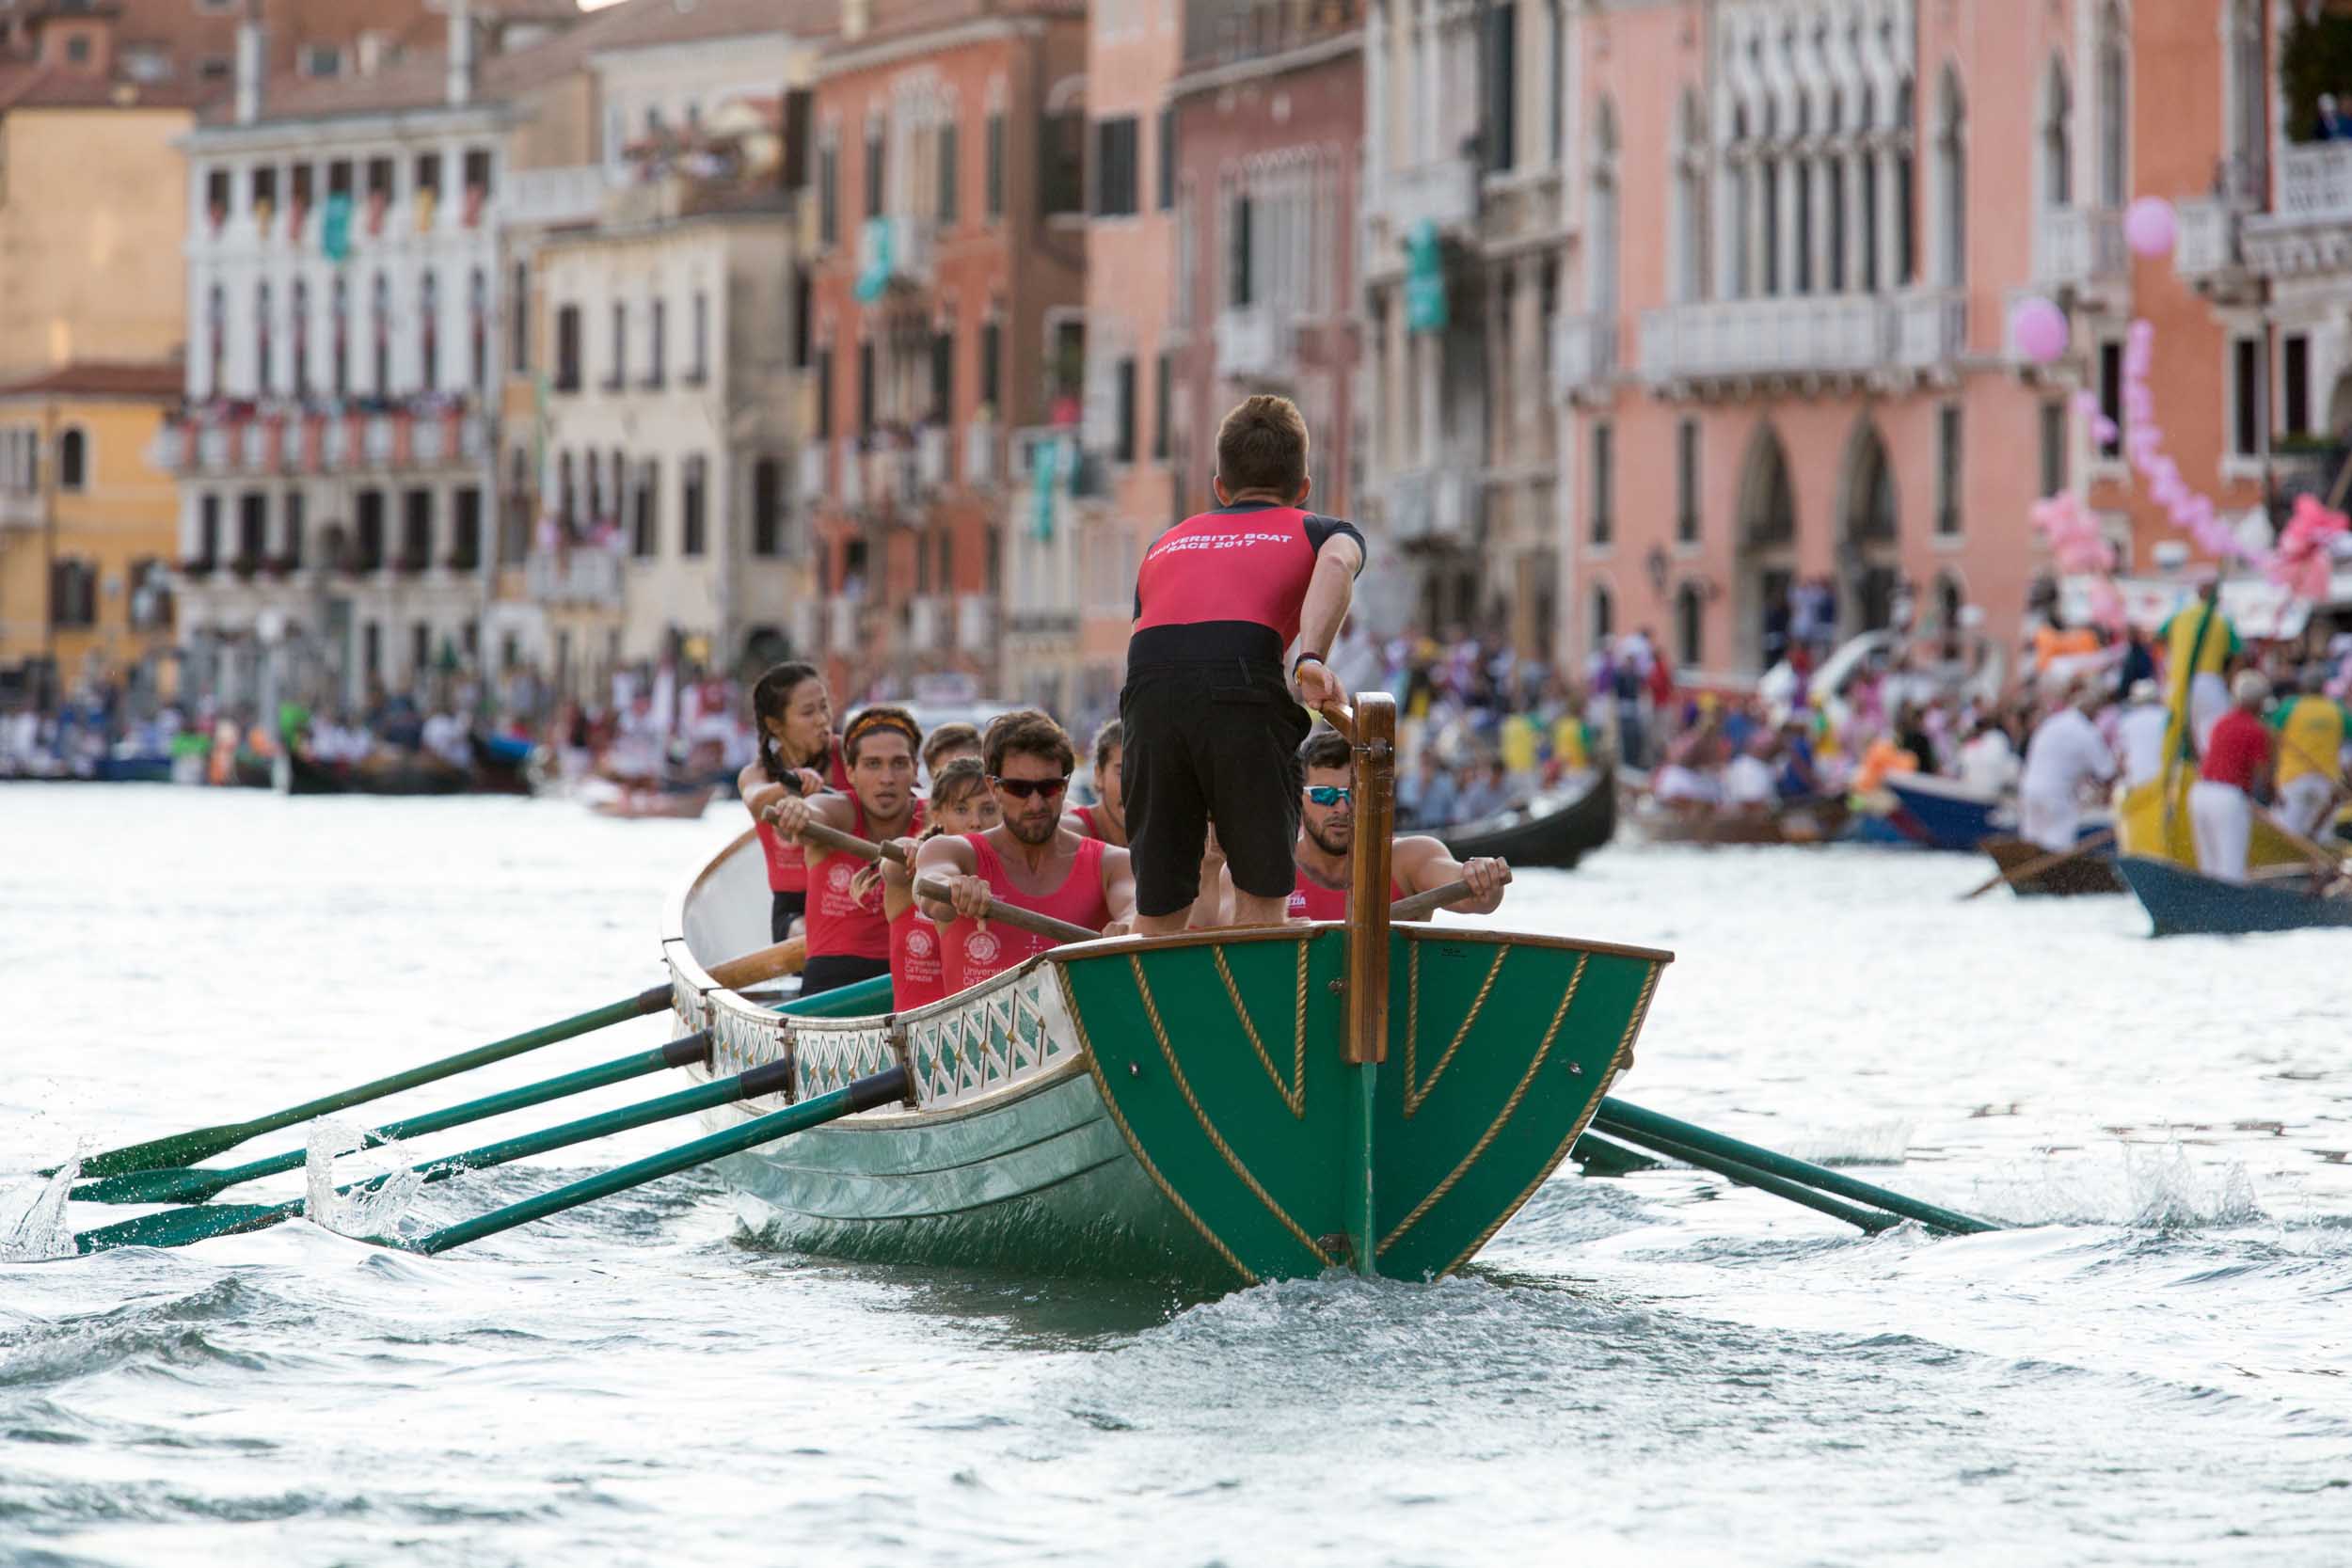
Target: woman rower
x,y
799,754
1106,818
961,803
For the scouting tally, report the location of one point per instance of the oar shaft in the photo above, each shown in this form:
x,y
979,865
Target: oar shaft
x,y
1012,914
1763,1182
194,1186
865,1094
834,840
1632,1123
2040,863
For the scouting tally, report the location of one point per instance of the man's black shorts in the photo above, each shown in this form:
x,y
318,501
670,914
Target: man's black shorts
x,y
1215,742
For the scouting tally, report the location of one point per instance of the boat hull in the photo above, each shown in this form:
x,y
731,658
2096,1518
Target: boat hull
x,y
1939,815
2086,875
1547,833
1174,1107
2181,902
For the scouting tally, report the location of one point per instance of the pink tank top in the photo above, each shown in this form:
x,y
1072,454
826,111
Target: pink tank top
x,y
916,978
787,866
973,955
1312,900
841,924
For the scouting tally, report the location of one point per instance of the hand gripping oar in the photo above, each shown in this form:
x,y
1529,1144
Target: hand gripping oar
x,y
1649,1130
195,1183
1012,914
186,1148
1421,906
179,1226
2040,863
834,840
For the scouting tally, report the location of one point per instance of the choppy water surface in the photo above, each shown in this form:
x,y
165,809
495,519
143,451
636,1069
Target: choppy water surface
x,y
1658,1369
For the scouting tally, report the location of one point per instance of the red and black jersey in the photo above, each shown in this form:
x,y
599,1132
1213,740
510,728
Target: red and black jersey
x,y
1228,584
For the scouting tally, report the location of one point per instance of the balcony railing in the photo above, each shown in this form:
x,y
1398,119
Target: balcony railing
x,y
1443,193
808,471
979,452
321,443
1820,334
1583,353
929,618
841,633
573,194
1253,341
852,473
583,575
893,248
976,624
2075,247
1428,505
2316,182
379,440
21,509
1930,329
808,627
932,448
213,448
2211,254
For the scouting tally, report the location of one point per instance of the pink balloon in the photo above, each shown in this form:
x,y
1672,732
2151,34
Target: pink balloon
x,y
2038,329
2149,226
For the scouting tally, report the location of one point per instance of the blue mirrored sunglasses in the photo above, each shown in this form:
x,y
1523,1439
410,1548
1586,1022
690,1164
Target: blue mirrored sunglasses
x,y
1330,795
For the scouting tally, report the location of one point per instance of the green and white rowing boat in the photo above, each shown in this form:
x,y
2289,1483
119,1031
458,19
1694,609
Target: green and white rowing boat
x,y
1208,1106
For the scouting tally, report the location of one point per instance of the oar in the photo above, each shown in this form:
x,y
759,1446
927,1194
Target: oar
x,y
179,1226
2040,863
834,840
1763,1182
1012,914
1421,906
1638,1126
195,1183
862,1095
186,1148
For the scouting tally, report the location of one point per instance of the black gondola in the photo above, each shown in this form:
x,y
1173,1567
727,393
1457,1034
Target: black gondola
x,y
1558,828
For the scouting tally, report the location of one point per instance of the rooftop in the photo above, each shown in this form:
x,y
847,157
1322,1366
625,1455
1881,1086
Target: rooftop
x,y
162,380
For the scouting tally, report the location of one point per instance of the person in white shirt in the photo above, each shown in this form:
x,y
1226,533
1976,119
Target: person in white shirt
x,y
1749,787
1988,763
2064,754
446,736
2140,732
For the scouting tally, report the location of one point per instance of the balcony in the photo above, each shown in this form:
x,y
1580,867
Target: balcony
x,y
932,448
337,443
979,452
379,441
808,627
976,624
890,477
169,452
1253,344
1524,205
428,443
2315,182
213,448
1821,337
1428,506
653,202
808,472
552,196
2208,257
585,575
257,445
1583,356
2078,249
21,509
1931,331
1443,194
853,474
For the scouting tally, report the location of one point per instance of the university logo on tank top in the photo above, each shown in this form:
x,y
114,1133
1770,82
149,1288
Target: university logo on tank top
x,y
920,943
980,948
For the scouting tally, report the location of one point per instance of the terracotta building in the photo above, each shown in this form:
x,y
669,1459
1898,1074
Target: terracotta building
x,y
946,320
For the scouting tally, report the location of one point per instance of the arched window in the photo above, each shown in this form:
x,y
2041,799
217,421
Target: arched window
x,y
1951,157
2058,138
1740,284
73,459
2249,129
1604,614
381,299
1690,196
1602,275
1689,626
429,333
262,369
300,337
1906,182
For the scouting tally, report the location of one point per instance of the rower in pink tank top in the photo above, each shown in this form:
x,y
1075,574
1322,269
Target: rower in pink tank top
x,y
970,954
788,865
1312,900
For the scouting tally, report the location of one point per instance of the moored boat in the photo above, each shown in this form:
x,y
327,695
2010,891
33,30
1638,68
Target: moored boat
x,y
631,802
1800,822
1556,828
1177,1106
2090,872
2182,902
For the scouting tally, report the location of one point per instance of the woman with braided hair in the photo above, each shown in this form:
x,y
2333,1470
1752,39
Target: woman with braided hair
x,y
799,754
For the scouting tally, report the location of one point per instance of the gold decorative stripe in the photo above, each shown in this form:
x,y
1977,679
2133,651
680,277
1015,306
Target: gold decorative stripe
x,y
1509,1106
1623,1060
1415,1094
1295,1093
1183,1085
1134,1146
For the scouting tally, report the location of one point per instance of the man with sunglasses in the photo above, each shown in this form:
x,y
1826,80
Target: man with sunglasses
x,y
1031,860
1326,838
1212,724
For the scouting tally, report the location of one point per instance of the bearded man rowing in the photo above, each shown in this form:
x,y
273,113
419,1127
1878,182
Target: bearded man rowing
x,y
1031,860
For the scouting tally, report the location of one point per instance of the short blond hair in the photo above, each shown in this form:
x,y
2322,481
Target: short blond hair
x,y
1263,446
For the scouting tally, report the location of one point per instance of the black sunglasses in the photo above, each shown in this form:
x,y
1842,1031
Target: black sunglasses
x,y
1021,789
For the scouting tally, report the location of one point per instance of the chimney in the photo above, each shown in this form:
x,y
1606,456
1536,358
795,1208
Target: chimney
x,y
249,66
460,53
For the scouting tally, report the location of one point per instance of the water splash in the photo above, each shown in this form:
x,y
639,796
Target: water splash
x,y
2153,1187
388,1188
1877,1143
32,1217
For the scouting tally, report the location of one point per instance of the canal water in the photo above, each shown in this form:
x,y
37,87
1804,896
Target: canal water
x,y
2150,1368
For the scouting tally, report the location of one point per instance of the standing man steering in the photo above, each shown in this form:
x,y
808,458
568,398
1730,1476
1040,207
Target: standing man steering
x,y
1211,723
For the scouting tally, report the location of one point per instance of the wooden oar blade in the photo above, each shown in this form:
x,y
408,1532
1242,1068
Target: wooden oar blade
x,y
183,1227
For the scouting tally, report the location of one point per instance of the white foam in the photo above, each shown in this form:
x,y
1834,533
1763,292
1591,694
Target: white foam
x,y
32,1217
389,1189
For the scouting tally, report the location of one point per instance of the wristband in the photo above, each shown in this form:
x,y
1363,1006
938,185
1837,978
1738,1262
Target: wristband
x,y
1303,659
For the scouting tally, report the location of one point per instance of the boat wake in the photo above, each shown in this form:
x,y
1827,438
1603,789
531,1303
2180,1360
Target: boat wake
x,y
32,1217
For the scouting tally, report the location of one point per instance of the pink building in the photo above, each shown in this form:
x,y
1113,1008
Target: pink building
x,y
1781,350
